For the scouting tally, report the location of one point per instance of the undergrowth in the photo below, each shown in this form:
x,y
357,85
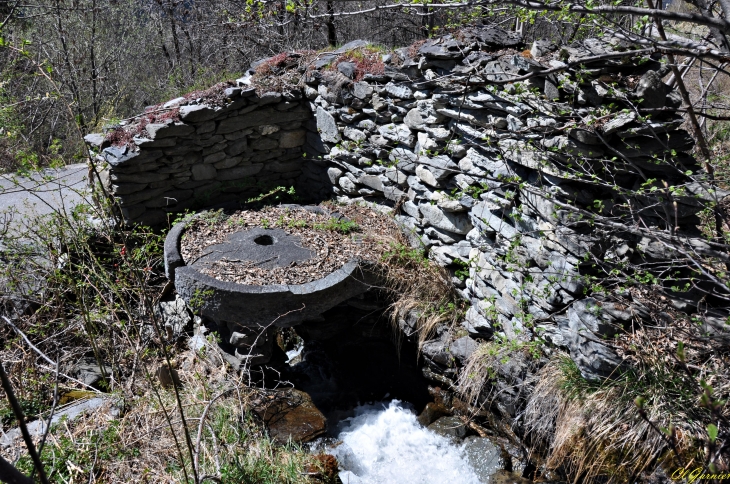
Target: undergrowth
x,y
81,287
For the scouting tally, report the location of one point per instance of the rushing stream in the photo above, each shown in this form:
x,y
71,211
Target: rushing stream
x,y
383,443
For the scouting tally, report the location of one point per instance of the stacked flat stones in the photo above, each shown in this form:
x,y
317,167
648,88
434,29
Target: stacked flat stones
x,y
488,174
211,155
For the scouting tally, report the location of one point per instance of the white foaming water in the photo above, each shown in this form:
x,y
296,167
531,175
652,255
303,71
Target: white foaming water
x,y
387,445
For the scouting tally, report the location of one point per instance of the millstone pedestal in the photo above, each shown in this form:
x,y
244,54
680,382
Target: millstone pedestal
x,y
250,313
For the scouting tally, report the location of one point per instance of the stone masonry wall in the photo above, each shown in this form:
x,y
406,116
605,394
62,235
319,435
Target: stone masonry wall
x,y
206,155
525,172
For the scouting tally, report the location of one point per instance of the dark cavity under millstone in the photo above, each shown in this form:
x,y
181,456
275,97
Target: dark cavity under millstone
x,y
260,247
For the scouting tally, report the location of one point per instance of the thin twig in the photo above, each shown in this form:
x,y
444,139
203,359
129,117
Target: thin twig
x,y
18,412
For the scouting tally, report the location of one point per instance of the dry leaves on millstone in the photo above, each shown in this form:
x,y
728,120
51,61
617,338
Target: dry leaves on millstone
x,y
333,249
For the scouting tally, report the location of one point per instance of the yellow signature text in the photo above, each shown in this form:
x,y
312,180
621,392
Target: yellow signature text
x,y
697,474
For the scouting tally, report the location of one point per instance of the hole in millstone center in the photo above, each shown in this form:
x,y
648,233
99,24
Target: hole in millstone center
x,y
264,240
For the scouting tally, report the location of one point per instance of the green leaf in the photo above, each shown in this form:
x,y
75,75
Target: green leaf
x,y
712,432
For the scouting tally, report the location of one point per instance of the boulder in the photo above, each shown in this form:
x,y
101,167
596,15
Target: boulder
x,y
290,416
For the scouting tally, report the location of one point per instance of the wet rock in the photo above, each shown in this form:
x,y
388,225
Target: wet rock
x,y
325,467
504,477
432,412
450,427
290,415
485,458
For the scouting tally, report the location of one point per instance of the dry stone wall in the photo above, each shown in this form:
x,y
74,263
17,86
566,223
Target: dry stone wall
x,y
531,174
203,154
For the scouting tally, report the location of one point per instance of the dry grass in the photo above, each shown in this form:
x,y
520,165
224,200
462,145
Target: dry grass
x,y
93,294
597,432
145,443
421,289
611,431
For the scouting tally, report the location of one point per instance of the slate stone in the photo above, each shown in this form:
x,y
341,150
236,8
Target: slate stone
x,y
618,122
157,131
347,69
352,45
442,235
585,137
398,91
203,172
175,315
292,139
197,113
327,126
394,194
587,327
462,349
362,90
449,49
354,134
347,185
452,222
271,97
259,117
371,181
399,133
324,60
551,91
425,175
652,91
482,216
414,120
440,166
396,176
239,172
476,324
88,371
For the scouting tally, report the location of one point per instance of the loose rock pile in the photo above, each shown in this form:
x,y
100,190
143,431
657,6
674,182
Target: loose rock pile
x,y
533,174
